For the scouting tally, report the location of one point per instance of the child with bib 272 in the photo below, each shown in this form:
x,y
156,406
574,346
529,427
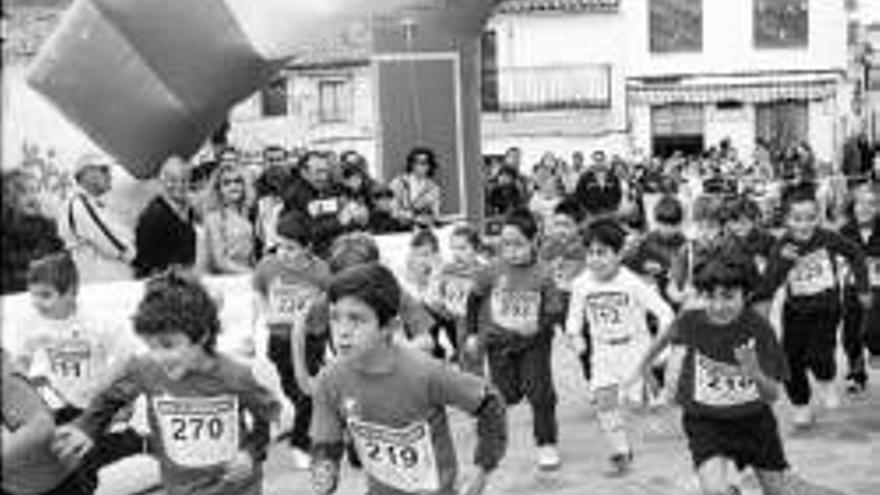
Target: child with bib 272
x,y
208,415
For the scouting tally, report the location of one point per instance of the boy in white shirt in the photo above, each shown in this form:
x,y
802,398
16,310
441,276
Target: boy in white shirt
x,y
615,302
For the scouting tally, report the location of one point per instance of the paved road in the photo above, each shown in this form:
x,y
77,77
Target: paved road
x,y
842,452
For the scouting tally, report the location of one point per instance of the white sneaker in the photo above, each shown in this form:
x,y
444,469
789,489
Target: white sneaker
x,y
802,416
548,458
827,392
301,460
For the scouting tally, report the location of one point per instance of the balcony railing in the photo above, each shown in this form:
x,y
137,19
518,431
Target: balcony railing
x,y
566,87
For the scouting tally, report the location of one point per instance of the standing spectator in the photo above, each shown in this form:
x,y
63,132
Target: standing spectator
x,y
229,234
506,195
359,189
598,190
27,233
513,158
269,187
101,246
572,173
165,234
320,199
416,194
548,194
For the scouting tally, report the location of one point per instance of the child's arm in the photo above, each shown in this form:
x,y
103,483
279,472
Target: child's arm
x,y
327,434
32,422
747,357
654,303
264,408
855,256
574,324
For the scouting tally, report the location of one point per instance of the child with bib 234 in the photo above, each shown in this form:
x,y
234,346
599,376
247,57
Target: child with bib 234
x,y
199,401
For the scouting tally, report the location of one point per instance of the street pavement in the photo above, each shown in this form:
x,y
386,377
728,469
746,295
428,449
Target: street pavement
x,y
841,453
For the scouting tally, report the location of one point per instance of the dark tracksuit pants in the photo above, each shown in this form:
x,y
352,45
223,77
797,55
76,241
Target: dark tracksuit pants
x,y
809,339
853,336
281,355
521,367
872,326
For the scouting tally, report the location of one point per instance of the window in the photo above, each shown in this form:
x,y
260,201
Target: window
x,y
273,98
333,101
677,128
489,68
781,23
676,25
781,124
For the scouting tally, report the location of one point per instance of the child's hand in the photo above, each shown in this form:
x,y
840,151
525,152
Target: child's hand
x,y
747,358
789,252
239,468
70,444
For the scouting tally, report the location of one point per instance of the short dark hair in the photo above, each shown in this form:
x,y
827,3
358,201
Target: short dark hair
x,y
176,301
524,221
607,232
295,226
469,234
669,210
804,192
427,152
372,283
348,250
571,209
741,207
727,268
303,162
424,237
57,270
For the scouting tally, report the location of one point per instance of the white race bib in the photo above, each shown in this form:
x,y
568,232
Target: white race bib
x,y
321,207
874,272
516,310
70,359
455,294
288,302
605,312
812,274
198,431
402,458
720,384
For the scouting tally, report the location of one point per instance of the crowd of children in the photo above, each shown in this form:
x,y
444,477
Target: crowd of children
x,y
719,320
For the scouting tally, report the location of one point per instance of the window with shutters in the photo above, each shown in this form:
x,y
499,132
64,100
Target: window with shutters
x,y
273,98
489,72
676,25
781,23
334,102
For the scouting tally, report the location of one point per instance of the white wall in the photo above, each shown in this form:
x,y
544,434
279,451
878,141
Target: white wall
x,y
823,129
736,124
728,45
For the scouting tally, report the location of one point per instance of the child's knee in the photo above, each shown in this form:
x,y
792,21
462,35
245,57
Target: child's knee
x,y
713,477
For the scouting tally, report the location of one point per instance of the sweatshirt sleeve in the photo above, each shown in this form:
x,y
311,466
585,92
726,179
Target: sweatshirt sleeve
x,y
653,302
774,276
264,408
121,391
574,324
854,255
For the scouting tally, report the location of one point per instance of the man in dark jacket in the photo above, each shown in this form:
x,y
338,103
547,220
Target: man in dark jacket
x,y
320,198
598,190
165,234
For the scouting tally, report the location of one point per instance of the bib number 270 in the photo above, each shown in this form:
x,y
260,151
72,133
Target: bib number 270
x,y
195,429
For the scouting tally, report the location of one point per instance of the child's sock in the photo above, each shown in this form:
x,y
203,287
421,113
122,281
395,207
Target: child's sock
x,y
613,427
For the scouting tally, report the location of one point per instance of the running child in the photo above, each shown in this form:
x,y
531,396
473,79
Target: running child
x,y
653,255
508,311
861,326
740,222
726,368
287,283
804,263
705,238
209,416
422,283
73,351
615,302
392,401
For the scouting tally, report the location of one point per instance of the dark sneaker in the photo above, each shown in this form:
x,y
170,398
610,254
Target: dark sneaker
x,y
856,383
620,464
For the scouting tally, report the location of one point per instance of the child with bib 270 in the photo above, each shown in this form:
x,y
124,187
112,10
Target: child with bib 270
x,y
392,400
209,416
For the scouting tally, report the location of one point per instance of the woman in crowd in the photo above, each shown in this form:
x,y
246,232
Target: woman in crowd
x,y
416,194
269,187
228,231
27,233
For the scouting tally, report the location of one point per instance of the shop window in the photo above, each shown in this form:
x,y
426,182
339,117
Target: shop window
x,y
676,25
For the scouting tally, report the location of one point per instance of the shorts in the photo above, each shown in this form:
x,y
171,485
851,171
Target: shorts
x,y
752,440
613,364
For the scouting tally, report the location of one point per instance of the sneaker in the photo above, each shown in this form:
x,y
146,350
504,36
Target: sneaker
x,y
301,459
620,464
802,416
855,384
548,458
830,396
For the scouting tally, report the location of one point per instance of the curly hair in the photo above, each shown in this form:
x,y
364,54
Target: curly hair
x,y
352,249
427,153
213,196
176,301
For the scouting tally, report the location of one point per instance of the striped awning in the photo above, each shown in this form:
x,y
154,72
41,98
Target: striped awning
x,y
526,6
744,89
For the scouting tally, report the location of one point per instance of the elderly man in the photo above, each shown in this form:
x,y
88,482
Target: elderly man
x,y
165,233
101,246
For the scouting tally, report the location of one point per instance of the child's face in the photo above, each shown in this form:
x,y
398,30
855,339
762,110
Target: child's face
x,y
288,248
175,352
667,229
422,259
708,230
516,248
602,260
355,327
724,304
49,302
740,226
561,225
462,250
802,219
865,206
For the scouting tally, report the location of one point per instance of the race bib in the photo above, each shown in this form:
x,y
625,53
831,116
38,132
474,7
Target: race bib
x,y
198,431
874,272
289,302
812,274
71,359
455,294
402,458
721,384
516,310
605,312
321,207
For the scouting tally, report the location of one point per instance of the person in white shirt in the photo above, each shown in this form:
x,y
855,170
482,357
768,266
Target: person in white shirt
x,y
101,246
615,302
